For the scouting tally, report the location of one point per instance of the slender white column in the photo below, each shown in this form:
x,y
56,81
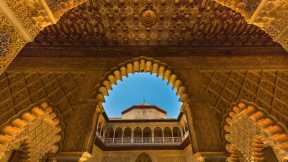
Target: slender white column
x,y
97,128
172,135
101,129
114,135
181,133
104,133
122,135
152,135
132,135
163,135
142,132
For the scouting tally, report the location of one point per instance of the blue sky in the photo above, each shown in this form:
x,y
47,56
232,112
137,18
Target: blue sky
x,y
136,88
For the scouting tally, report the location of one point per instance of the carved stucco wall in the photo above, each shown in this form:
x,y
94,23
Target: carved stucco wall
x,y
267,88
36,132
152,23
219,87
249,130
269,15
18,90
21,20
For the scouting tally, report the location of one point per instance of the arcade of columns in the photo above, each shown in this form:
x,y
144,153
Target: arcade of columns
x,y
169,132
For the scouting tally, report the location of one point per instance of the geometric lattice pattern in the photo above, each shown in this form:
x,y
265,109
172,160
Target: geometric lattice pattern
x,y
268,89
243,133
250,130
22,20
18,90
11,42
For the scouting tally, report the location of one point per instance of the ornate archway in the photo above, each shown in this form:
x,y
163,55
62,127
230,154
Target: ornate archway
x,y
249,130
34,132
143,157
142,64
139,64
22,20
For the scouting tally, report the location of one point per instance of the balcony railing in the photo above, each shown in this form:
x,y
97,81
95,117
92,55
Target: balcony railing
x,y
143,141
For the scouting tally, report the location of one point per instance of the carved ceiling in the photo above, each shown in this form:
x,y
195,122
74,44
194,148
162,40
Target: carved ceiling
x,y
150,23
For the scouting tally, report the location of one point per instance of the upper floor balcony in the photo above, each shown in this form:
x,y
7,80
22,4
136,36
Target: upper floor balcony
x,y
147,136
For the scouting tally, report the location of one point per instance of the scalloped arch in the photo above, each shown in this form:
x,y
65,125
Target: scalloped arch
x,y
141,64
38,129
246,121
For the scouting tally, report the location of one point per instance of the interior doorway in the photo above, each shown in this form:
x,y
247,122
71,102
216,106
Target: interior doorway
x,y
143,157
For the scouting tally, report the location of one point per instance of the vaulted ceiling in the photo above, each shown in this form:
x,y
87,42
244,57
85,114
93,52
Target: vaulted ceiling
x,y
152,23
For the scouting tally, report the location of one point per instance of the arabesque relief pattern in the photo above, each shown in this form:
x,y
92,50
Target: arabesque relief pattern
x,y
31,16
37,130
22,20
267,88
11,42
19,90
152,23
249,130
269,15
